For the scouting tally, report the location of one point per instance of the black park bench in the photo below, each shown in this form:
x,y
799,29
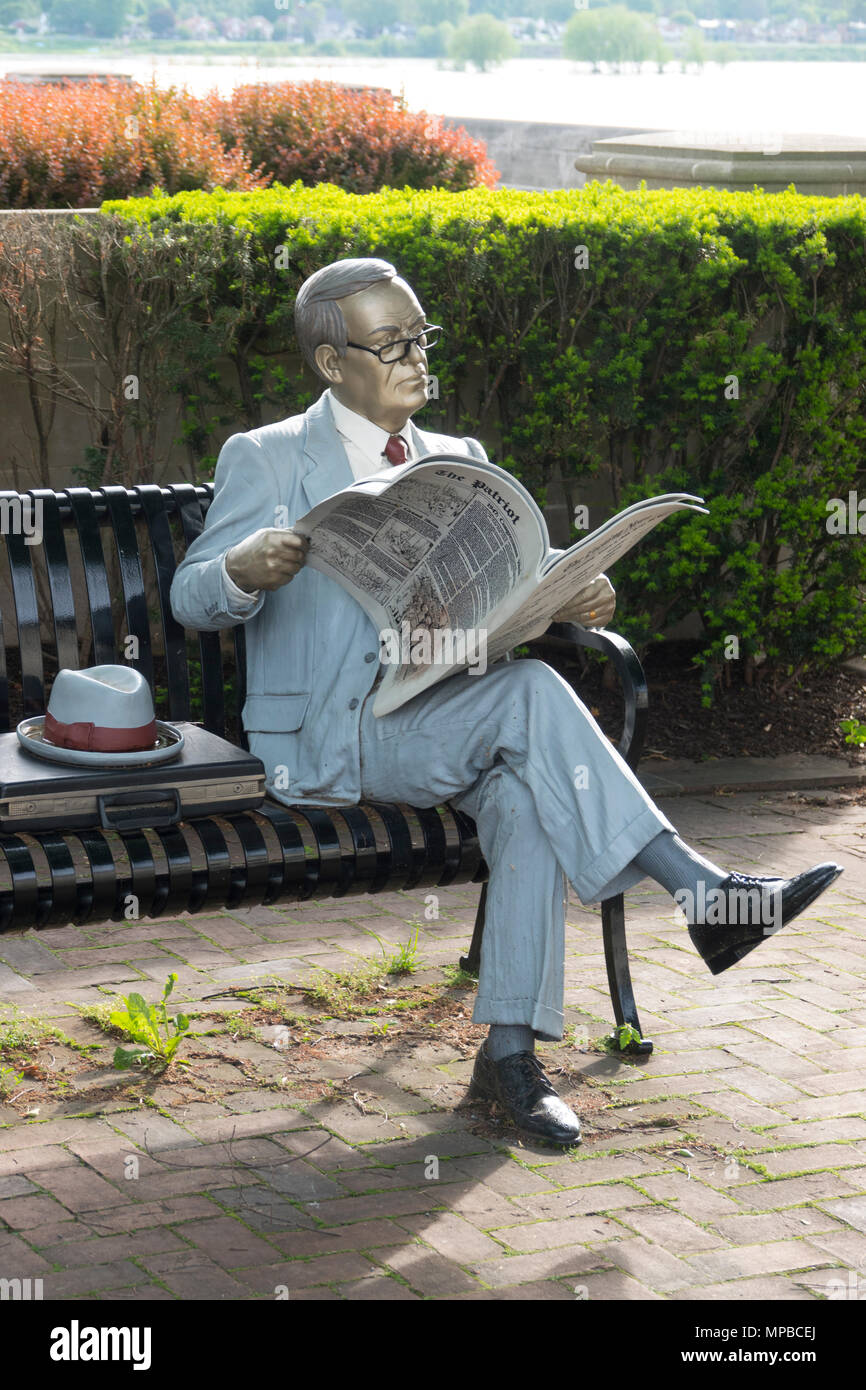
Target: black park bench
x,y
95,590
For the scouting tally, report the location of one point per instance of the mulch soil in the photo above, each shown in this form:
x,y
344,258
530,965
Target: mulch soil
x,y
744,721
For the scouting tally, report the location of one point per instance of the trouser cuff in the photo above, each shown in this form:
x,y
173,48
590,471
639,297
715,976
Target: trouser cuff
x,y
547,1023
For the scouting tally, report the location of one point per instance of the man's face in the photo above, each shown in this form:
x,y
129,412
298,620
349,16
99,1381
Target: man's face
x,y
385,392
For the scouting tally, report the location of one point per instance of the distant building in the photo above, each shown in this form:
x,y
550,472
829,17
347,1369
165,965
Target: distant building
x,y
233,28
527,29
198,27
718,30
259,27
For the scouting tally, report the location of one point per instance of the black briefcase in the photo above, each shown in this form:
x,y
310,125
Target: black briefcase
x,y
208,776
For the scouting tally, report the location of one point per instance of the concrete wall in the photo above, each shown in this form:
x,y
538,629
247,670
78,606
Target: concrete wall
x,y
537,155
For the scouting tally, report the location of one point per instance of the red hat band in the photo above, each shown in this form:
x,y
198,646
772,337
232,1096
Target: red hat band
x,y
97,738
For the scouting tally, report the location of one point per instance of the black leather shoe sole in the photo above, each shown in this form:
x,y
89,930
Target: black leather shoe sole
x,y
723,945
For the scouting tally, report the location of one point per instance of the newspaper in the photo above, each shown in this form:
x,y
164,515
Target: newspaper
x,y
451,560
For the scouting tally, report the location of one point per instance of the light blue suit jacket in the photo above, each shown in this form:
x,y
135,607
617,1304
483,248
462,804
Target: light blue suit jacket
x,y
312,652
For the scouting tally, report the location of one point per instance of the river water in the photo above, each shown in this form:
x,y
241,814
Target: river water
x,y
744,98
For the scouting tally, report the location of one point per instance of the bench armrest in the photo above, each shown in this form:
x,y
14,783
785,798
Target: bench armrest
x,y
631,678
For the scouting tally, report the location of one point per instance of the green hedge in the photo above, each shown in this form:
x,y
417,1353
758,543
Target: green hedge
x,y
623,368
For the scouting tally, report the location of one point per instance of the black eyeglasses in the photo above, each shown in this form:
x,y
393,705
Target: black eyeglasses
x,y
401,347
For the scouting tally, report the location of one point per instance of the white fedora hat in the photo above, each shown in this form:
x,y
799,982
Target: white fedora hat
x,y
98,717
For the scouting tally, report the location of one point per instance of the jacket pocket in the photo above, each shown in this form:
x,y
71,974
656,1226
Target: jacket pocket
x,y
275,714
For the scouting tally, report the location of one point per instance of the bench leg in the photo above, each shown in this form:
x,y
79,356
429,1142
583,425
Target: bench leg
x,y
472,963
618,973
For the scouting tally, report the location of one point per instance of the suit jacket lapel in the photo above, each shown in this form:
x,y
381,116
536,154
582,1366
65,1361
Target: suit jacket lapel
x,y
418,440
424,442
329,469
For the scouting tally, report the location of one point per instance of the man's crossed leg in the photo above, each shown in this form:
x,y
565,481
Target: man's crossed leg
x,y
519,752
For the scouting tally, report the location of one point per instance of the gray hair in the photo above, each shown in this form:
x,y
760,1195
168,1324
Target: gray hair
x,y
318,318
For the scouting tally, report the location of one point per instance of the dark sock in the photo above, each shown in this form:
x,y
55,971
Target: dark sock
x,y
506,1038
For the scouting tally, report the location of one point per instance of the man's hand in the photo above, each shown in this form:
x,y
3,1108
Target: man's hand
x,y
594,606
267,559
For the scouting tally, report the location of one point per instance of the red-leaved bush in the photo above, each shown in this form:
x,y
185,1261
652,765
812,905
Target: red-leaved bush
x,y
319,132
78,144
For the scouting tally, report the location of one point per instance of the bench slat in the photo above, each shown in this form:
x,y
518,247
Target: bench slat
x,y
132,579
83,506
251,879
27,618
5,713
218,865
153,504
59,899
59,579
192,509
100,902
179,879
19,903
140,883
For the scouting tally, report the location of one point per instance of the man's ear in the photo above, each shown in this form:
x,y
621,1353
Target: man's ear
x,y
329,362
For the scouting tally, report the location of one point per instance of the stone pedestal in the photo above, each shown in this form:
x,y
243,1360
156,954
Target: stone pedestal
x,y
825,164
535,155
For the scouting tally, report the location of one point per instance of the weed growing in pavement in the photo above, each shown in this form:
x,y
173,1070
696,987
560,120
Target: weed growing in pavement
x,y
621,1039
338,990
406,960
150,1025
27,1033
458,978
100,1016
9,1079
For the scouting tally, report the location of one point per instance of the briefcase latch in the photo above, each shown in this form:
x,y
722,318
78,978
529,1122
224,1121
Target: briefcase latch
x,y
139,810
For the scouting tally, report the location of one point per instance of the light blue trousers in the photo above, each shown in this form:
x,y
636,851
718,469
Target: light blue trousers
x,y
520,753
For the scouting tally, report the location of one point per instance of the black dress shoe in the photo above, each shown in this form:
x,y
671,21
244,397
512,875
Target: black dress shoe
x,y
751,909
520,1086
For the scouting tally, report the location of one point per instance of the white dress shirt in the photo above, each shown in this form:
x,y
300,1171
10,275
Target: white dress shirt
x,y
364,443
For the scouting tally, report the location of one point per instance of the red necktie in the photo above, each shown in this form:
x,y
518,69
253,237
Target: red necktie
x,y
395,449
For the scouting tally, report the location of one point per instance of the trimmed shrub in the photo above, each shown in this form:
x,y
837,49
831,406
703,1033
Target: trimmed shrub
x,y
73,145
78,144
362,141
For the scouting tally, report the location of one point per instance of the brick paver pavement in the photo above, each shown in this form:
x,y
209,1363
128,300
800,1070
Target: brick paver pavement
x,y
731,1164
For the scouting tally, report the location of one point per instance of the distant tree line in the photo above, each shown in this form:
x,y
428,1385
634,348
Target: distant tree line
x,y
109,18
